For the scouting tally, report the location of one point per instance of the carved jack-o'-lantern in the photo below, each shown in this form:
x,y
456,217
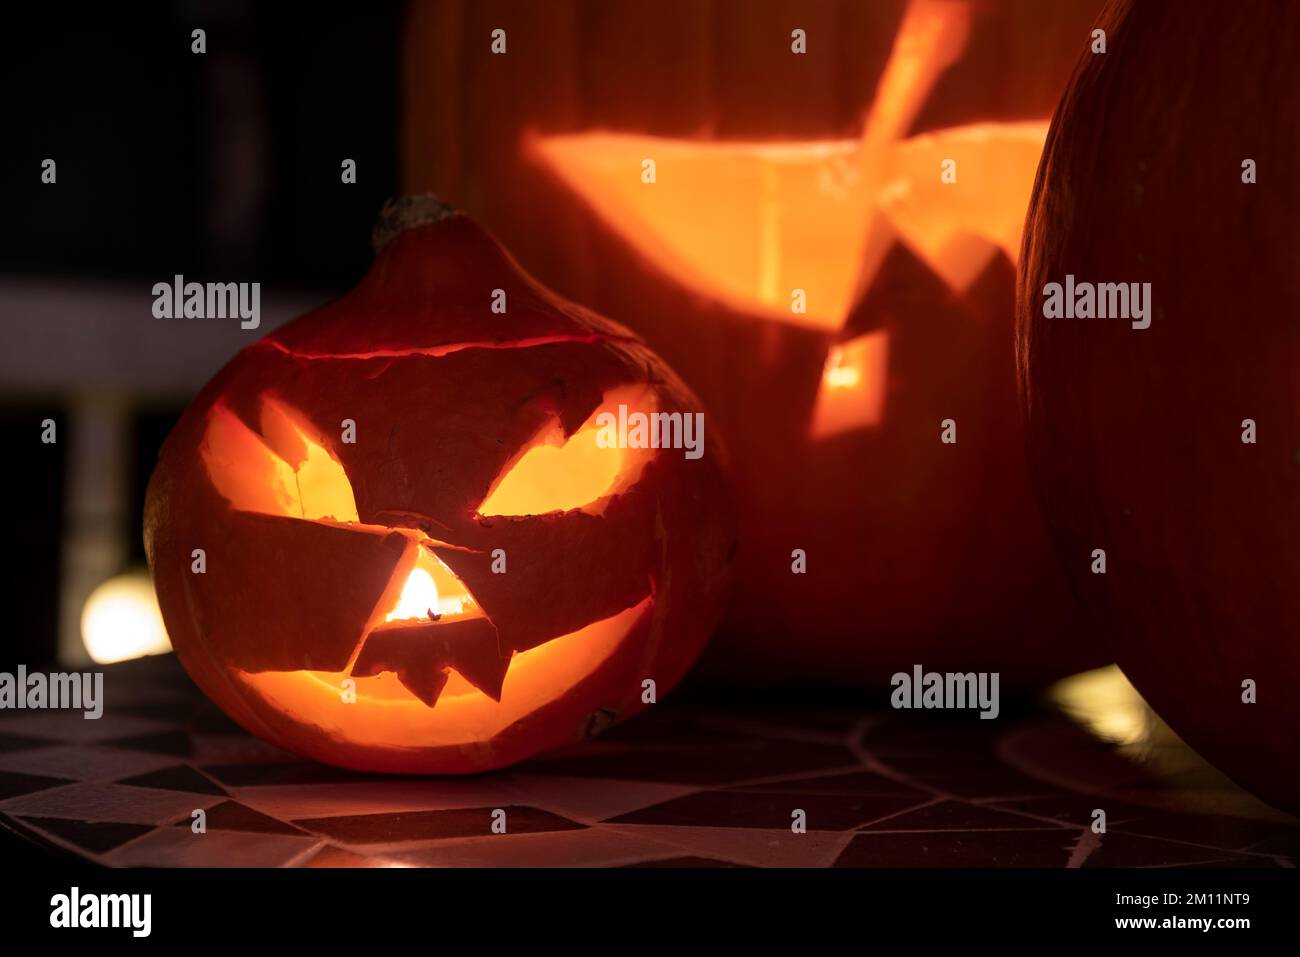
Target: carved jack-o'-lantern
x,y
402,534
813,212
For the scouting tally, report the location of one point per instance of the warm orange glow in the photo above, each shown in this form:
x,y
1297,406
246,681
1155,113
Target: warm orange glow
x,y
958,227
385,714
431,588
852,393
746,223
284,471
323,487
749,222
419,597
930,39
554,474
281,472
1105,703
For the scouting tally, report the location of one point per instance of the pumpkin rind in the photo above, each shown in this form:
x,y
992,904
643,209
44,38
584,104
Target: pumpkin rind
x,y
1136,434
445,395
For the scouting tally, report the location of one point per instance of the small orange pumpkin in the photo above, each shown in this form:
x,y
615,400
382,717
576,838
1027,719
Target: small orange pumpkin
x,y
390,535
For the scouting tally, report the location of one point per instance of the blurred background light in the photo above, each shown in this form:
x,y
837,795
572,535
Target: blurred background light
x,y
1107,705
121,620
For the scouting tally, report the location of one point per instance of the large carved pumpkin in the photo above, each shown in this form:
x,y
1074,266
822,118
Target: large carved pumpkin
x,y
778,173
1140,437
391,536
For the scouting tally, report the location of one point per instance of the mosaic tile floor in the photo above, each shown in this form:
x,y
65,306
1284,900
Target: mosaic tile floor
x,y
686,785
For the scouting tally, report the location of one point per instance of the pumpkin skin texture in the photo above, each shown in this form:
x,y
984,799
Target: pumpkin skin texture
x,y
559,589
917,551
1136,435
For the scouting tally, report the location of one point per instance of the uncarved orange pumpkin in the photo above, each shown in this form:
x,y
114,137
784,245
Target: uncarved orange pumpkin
x,y
1174,449
778,173
391,536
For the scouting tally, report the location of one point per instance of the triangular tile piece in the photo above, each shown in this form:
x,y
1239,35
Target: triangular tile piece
x,y
587,798
108,801
434,825
175,847
13,784
268,775
1130,850
94,836
1049,848
233,816
587,847
958,816
333,856
764,810
182,777
854,782
82,762
160,742
750,846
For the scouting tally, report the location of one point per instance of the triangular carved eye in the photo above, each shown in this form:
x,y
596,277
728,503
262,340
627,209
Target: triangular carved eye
x,y
555,473
283,471
817,215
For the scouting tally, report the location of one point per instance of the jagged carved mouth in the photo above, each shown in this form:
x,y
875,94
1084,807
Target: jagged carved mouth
x,y
463,715
427,644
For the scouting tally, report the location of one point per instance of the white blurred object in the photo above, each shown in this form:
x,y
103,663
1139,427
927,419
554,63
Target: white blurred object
x,y
121,620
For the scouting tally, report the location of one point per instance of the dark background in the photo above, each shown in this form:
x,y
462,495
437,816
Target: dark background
x,y
221,166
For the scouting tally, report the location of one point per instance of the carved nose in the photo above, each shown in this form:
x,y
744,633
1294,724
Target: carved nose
x,y
435,625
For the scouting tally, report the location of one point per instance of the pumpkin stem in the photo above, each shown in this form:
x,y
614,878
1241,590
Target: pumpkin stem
x,y
408,212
